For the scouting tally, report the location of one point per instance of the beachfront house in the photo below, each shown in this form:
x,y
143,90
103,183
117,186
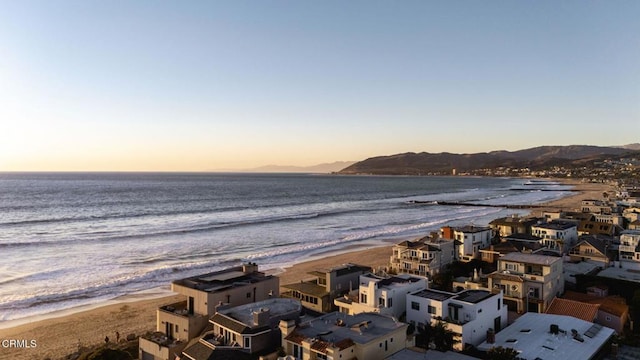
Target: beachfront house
x,y
382,295
469,314
528,281
318,293
513,224
245,329
470,240
557,235
338,336
425,256
180,322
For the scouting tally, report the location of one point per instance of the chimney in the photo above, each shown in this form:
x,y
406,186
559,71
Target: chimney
x,y
554,329
286,327
491,336
261,317
249,268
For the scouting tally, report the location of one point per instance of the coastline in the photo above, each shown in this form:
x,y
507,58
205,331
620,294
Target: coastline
x,y
58,335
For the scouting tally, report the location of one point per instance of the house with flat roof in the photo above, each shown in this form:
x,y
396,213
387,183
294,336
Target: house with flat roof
x,y
508,245
382,295
340,336
528,281
558,236
327,285
471,240
468,314
180,322
246,329
513,224
552,337
425,256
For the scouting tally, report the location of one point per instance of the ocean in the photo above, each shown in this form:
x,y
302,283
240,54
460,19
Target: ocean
x,y
75,239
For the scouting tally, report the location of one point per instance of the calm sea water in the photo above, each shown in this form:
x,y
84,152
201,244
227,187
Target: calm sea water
x,y
70,239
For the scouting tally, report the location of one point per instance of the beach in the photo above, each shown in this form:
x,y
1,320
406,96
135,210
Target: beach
x,y
59,336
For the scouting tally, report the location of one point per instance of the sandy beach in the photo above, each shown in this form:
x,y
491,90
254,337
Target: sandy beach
x,y
57,337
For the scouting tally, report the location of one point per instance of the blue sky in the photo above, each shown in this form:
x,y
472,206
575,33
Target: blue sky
x,y
154,85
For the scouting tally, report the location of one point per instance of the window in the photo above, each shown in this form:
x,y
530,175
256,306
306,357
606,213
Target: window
x,y
390,302
608,318
415,305
499,304
363,298
321,356
248,295
431,309
381,302
246,342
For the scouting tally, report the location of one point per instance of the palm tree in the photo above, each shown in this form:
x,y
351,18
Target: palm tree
x,y
442,337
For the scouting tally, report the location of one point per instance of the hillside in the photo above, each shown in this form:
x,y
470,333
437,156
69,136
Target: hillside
x,y
444,163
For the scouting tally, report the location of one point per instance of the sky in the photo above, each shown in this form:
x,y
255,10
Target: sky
x,y
202,85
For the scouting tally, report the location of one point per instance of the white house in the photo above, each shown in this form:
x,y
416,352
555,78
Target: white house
x,y
386,296
471,240
629,248
557,235
552,337
469,313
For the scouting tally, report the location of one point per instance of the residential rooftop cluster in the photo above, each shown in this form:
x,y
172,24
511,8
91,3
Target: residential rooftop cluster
x,y
554,286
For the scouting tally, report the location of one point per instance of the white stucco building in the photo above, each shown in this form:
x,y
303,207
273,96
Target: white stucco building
x,y
469,313
386,296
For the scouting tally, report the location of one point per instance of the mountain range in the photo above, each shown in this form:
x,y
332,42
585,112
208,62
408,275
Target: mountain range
x,y
444,163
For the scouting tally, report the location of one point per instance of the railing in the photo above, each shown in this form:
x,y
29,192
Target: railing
x,y
179,308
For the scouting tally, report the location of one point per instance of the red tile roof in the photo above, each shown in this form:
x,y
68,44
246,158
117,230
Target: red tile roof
x,y
613,304
577,309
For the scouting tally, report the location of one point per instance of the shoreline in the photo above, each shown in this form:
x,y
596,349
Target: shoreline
x,y
62,333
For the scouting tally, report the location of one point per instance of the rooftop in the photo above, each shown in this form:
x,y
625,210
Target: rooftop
x,y
472,229
225,279
530,335
201,351
514,219
473,296
577,309
341,270
391,282
555,226
612,304
629,272
276,307
338,328
522,237
434,294
530,258
421,354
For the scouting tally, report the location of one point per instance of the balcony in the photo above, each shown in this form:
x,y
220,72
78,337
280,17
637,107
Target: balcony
x,y
627,248
179,309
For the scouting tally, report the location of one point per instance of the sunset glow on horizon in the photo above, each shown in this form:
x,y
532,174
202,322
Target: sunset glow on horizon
x,y
202,86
